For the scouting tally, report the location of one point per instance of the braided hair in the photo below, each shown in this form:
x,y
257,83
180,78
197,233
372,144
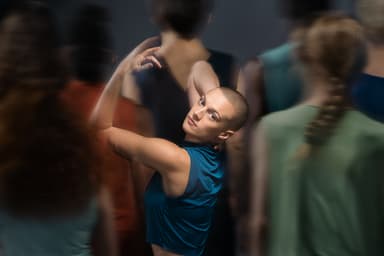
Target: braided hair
x,y
333,49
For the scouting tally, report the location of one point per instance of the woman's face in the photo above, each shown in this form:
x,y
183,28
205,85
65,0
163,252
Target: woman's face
x,y
208,117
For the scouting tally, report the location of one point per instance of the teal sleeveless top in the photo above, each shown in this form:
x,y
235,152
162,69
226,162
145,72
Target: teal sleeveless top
x,y
54,236
282,83
331,203
181,224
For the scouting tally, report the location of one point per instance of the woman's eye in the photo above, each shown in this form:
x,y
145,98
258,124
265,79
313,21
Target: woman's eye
x,y
213,116
201,101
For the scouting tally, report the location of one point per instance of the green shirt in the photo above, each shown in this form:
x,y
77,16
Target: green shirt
x,y
331,203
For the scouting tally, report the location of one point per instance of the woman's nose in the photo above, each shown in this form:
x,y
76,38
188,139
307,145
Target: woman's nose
x,y
198,113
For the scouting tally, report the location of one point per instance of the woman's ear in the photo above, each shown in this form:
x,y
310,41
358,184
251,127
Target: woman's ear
x,y
225,135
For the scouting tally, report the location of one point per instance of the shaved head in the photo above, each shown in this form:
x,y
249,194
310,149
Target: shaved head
x,y
240,105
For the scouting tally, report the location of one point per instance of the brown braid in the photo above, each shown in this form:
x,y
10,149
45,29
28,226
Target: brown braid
x,y
333,50
333,109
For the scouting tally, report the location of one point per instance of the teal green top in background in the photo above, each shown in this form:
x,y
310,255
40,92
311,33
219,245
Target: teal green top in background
x,y
54,236
331,203
282,82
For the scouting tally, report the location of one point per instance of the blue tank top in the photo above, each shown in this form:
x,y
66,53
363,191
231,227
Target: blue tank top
x,y
181,224
368,95
59,236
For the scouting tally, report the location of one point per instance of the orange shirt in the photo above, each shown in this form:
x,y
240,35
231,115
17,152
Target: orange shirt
x,y
119,175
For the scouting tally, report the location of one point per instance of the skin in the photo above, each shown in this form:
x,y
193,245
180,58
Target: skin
x,y
104,236
207,122
180,55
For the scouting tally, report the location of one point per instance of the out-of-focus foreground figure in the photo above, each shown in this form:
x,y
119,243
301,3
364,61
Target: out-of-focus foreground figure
x,y
277,84
271,82
368,91
90,55
51,199
317,185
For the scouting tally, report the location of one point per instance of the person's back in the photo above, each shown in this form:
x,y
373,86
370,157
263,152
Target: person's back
x,y
367,95
279,79
61,236
368,89
326,203
119,175
50,197
91,59
282,83
168,102
318,162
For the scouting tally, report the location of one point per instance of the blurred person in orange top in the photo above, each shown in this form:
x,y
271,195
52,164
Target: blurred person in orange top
x,y
90,56
52,198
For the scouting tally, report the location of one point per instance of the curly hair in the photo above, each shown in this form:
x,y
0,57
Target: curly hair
x,y
47,160
333,49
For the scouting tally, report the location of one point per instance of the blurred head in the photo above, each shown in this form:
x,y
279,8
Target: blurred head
x,y
333,48
29,56
46,157
90,47
370,13
332,52
5,6
216,116
303,11
185,17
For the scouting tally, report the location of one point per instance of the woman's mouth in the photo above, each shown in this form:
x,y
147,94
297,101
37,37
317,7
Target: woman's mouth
x,y
191,122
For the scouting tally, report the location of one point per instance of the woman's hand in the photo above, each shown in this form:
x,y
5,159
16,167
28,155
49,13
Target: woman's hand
x,y
141,57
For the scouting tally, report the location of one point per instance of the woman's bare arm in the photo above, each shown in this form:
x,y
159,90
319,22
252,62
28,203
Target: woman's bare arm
x,y
103,113
258,192
104,238
201,79
169,159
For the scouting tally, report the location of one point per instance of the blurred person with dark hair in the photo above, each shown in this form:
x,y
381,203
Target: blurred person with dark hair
x,y
317,183
90,55
277,83
164,90
51,198
368,90
181,22
90,44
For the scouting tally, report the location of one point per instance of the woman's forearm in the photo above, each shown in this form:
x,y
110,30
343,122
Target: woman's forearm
x,y
102,115
137,59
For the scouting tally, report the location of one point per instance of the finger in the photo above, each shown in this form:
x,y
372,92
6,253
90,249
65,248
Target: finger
x,y
148,43
151,51
145,66
154,61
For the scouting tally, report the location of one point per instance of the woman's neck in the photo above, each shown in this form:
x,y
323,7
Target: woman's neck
x,y
316,92
174,47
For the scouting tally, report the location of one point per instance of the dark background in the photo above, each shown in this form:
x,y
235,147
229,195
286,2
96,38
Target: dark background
x,y
241,27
